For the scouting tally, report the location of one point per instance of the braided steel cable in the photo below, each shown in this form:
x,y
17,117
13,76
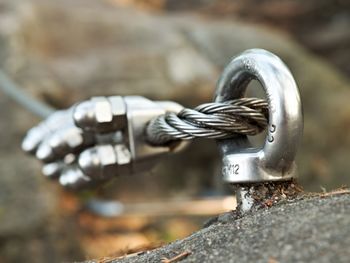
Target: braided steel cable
x,y
210,120
215,120
10,88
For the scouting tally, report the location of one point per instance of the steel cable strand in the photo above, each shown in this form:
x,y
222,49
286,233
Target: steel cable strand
x,y
217,121
210,120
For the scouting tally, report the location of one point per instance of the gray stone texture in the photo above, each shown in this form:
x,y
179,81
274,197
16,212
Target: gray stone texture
x,y
310,230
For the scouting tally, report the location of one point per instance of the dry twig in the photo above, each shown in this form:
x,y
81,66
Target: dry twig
x,y
336,192
176,258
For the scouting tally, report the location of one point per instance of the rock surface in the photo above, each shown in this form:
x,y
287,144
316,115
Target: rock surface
x,y
320,25
310,230
66,51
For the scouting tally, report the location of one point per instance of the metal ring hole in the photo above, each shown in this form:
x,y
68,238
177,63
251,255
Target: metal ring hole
x,y
255,90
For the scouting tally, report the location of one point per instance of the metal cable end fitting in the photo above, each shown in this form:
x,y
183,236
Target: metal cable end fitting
x,y
101,114
275,160
127,117
104,161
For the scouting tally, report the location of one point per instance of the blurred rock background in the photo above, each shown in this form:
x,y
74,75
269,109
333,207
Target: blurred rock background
x,y
66,51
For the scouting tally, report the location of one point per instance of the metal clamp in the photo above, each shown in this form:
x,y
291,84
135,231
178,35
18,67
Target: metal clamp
x,y
125,119
275,160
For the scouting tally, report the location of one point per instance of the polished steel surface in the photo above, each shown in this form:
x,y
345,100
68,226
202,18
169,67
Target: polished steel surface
x,y
98,139
275,160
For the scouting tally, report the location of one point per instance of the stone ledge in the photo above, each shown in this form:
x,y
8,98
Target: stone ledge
x,y
309,230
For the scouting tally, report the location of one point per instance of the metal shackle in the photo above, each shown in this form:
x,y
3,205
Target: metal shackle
x,y
275,160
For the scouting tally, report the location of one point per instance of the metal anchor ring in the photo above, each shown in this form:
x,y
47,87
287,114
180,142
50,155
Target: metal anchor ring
x,y
275,160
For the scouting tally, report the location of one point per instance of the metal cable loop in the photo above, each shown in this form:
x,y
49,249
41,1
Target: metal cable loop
x,y
215,120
